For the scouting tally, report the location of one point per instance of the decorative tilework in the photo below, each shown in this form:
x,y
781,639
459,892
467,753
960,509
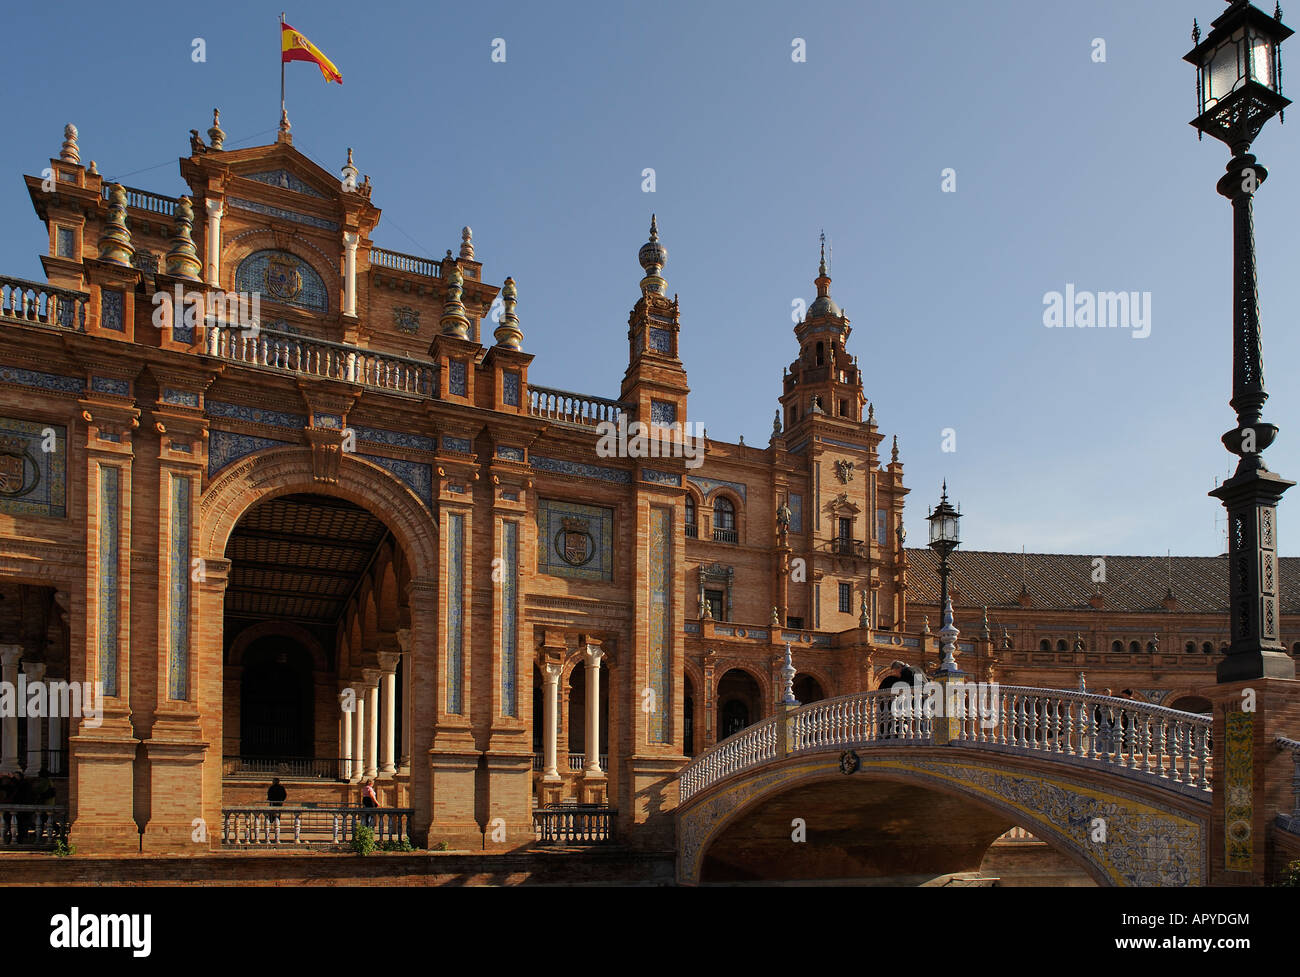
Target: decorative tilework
x,y
398,439
575,540
280,276
510,388
509,496
225,447
146,261
662,478
882,525
798,448
108,385
110,310
456,383
661,341
459,445
331,421
33,481
46,381
707,485
663,412
109,559
561,467
455,612
509,453
182,398
1239,808
406,319
289,215
661,617
65,243
843,444
184,446
105,436
509,616
796,512
256,415
692,627
417,476
284,180
178,659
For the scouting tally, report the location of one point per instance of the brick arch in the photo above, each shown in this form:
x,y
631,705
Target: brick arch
x,y
766,690
287,471
815,672
294,632
236,249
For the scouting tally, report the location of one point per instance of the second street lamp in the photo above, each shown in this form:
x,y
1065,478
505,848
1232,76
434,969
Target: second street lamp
x,y
1239,88
944,538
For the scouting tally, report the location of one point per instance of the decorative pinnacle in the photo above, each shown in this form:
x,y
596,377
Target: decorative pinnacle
x,y
1277,11
94,169
115,241
1196,32
508,333
283,135
787,676
467,242
182,260
821,268
652,257
454,322
776,422
216,135
893,454
349,173
68,153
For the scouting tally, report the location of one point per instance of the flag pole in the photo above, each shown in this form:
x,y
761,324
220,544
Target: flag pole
x,y
282,114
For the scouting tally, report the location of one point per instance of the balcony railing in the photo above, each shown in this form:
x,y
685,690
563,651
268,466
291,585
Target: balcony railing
x,y
41,303
262,768
32,825
271,350
725,535
693,531
570,408
415,265
843,546
574,825
579,760
155,203
245,827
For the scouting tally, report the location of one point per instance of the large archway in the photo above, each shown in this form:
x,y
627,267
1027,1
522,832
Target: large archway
x,y
739,702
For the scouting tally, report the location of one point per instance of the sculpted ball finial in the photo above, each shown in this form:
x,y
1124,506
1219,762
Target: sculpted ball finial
x,y
467,243
68,153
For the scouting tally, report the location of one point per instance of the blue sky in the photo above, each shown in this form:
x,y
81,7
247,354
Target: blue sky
x,y
1067,171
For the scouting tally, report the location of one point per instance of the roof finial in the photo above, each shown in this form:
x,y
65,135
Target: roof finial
x,y
467,242
871,412
283,135
653,256
115,240
508,333
893,454
821,268
182,260
454,322
349,174
216,135
1196,32
68,153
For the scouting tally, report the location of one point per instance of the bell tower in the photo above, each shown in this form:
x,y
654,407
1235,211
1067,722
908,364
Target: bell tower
x,y
654,387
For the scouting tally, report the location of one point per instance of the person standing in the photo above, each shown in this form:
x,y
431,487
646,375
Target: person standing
x,y
368,799
275,795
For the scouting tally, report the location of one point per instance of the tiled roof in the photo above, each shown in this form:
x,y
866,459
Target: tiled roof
x,y
1063,582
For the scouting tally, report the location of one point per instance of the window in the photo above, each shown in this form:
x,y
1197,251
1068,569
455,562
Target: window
x,y
714,598
882,526
794,623
1207,648
846,598
1044,645
821,354
845,529
1062,646
65,242
1190,648
1134,648
1117,647
844,408
692,527
724,520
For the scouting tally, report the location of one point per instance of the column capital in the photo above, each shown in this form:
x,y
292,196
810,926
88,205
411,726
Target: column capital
x,y
215,207
35,671
593,653
404,639
9,654
552,671
370,678
350,239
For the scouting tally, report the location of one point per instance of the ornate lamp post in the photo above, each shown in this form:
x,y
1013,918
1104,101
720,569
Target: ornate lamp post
x,y
944,538
1239,87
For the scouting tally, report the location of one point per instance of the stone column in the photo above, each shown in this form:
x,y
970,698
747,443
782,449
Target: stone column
x,y
345,738
359,735
550,702
350,239
388,708
593,655
404,642
212,247
9,655
56,744
372,723
35,672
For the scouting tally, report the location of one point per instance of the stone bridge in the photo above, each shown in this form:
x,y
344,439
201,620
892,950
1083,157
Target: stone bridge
x,y
1121,788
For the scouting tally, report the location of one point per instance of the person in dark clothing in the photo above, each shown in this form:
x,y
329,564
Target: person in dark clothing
x,y
275,795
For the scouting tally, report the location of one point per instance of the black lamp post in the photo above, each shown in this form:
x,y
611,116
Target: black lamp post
x,y
944,538
1239,88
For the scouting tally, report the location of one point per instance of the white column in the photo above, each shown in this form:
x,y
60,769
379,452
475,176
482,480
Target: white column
x,y
593,655
372,721
350,239
551,672
56,744
212,248
35,672
345,737
404,642
359,734
388,703
9,655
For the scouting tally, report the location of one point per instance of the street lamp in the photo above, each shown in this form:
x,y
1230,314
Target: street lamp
x,y
944,538
1239,88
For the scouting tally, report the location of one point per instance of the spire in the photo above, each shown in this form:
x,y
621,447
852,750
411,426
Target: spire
x,y
823,305
182,260
115,240
216,135
349,174
821,269
893,454
467,242
68,153
454,322
653,256
508,333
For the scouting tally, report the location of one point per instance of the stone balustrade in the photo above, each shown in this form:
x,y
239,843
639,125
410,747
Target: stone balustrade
x,y
413,264
582,410
573,824
32,825
136,199
245,827
42,304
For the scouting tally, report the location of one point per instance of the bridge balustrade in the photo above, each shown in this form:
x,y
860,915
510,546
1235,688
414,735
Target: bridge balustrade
x,y
268,826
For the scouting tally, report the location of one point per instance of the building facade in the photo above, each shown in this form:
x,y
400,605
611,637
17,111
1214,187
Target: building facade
x,y
297,506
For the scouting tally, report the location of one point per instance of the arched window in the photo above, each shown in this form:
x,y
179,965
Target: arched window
x,y
1207,648
1134,648
692,528
821,354
1117,647
1044,645
724,520
282,277
1062,646
1190,649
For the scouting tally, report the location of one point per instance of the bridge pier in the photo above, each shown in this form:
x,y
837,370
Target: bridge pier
x,y
1252,778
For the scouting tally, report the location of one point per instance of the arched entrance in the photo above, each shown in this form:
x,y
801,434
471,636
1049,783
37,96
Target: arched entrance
x,y
276,706
739,702
807,689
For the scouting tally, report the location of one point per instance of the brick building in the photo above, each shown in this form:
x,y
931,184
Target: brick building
x,y
351,538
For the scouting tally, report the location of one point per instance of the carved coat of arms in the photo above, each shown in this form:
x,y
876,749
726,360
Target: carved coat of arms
x,y
406,319
575,543
283,279
14,468
844,471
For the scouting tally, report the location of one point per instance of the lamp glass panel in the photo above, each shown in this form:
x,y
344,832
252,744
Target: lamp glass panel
x,y
1261,61
1224,70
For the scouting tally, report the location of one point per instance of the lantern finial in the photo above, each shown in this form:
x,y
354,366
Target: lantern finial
x,y
1196,32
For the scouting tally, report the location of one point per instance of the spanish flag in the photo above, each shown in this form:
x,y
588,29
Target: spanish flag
x,y
295,47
